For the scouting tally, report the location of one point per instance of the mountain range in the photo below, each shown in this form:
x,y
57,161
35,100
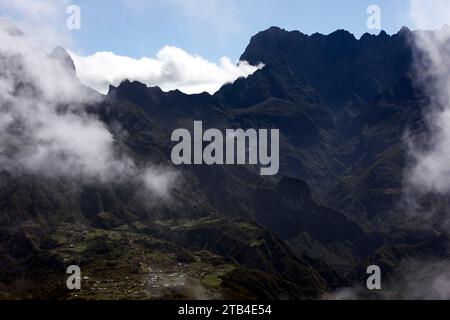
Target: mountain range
x,y
342,106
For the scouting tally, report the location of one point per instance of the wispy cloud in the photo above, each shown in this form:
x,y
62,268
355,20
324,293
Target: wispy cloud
x,y
428,176
172,68
42,8
44,21
429,14
46,130
430,172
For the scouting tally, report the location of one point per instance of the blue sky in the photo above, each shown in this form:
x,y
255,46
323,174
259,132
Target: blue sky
x,y
214,28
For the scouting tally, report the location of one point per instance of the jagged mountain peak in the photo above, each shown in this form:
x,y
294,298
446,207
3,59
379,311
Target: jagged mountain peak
x,y
63,57
277,39
404,30
336,66
135,85
342,35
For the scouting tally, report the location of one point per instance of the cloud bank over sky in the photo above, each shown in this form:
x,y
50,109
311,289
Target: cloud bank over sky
x,y
172,68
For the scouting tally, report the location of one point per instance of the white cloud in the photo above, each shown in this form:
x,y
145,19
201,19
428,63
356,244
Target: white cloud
x,y
430,171
45,130
172,68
